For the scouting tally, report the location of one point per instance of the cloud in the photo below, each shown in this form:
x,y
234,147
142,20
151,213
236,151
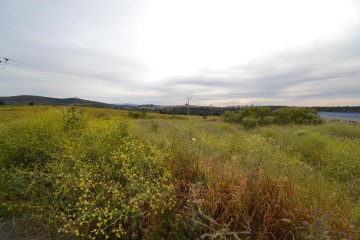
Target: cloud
x,y
321,70
135,51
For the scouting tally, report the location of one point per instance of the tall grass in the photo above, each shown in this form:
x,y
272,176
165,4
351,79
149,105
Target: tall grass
x,y
89,174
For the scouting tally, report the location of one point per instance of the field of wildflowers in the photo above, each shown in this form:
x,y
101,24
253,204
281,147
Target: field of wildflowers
x,y
92,173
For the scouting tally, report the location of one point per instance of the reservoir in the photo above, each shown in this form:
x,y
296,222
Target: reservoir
x,y
340,114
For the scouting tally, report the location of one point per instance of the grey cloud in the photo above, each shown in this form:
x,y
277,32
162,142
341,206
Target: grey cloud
x,y
71,38
271,77
79,39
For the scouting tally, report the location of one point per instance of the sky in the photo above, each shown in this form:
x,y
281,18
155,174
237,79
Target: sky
x,y
219,52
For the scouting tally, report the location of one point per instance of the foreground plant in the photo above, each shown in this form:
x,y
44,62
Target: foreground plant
x,y
119,197
99,183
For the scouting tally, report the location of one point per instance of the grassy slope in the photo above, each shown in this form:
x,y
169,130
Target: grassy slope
x,y
224,182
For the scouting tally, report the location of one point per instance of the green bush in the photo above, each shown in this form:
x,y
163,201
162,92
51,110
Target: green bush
x,y
261,114
73,119
250,122
281,116
296,115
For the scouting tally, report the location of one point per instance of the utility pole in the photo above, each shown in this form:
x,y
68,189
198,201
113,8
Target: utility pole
x,y
211,108
188,104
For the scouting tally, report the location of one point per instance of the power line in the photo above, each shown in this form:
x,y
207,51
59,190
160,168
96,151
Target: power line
x,y
6,60
18,66
41,68
25,66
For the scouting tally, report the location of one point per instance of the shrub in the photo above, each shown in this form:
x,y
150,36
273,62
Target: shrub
x,y
122,197
73,118
296,115
281,116
250,122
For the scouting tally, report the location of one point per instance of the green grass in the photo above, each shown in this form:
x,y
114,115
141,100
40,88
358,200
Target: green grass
x,y
104,173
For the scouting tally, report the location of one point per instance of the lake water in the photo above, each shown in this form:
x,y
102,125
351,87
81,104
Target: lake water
x,y
341,114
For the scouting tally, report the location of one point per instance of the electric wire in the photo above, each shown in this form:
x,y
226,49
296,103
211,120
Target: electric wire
x,y
5,61
25,66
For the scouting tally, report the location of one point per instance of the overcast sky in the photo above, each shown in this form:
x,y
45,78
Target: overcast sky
x,y
224,52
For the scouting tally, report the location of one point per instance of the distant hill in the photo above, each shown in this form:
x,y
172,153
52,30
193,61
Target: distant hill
x,y
38,100
166,109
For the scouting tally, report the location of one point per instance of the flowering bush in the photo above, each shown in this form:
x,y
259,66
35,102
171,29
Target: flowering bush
x,y
120,196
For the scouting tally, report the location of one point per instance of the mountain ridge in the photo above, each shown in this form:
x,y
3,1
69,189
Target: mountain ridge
x,y
41,100
169,109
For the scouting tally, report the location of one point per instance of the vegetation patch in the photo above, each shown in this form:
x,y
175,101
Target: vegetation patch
x,y
91,173
252,116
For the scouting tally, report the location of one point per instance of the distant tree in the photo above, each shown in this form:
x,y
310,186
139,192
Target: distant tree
x,y
31,104
2,102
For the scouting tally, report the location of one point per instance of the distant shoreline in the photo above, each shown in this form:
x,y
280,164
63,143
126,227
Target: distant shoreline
x,y
341,119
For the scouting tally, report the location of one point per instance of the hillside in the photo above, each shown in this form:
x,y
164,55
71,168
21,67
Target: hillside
x,y
39,100
163,109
